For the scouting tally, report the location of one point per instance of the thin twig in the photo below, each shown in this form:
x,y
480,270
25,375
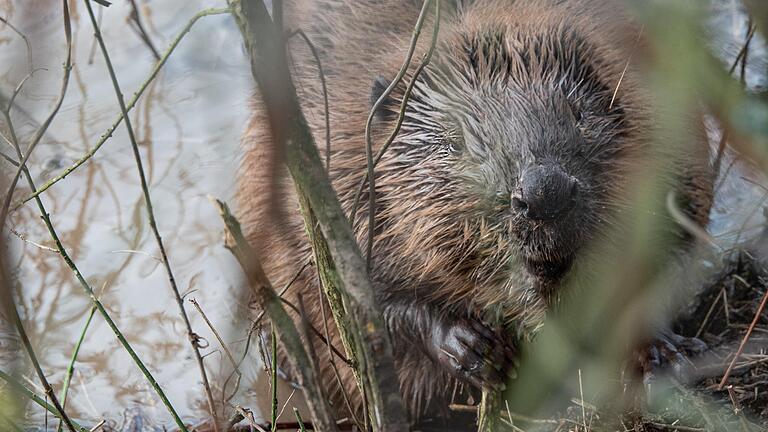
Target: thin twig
x,y
330,347
286,329
744,341
400,118
711,309
24,38
23,158
287,426
99,426
92,50
305,332
236,418
49,393
324,339
273,379
326,112
9,105
216,335
369,123
254,326
136,19
73,359
10,160
679,428
741,57
269,67
102,310
129,106
509,414
248,416
24,238
687,223
191,335
21,389
8,296
285,405
581,398
298,420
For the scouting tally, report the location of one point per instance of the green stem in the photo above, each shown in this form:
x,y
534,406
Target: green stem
x,y
71,367
131,103
298,419
191,335
71,264
40,132
316,400
403,105
368,126
21,389
22,168
269,66
103,311
274,380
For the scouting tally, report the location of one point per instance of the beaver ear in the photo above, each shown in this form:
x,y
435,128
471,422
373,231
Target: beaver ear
x,y
388,107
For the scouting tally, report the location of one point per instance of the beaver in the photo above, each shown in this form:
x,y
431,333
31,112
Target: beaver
x,y
517,148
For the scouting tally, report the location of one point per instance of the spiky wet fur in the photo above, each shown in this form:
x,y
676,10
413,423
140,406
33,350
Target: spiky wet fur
x,y
512,82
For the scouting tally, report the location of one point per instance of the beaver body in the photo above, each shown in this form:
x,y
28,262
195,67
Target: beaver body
x,y
517,147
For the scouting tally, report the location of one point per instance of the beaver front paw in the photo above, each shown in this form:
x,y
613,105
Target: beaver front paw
x,y
669,351
475,354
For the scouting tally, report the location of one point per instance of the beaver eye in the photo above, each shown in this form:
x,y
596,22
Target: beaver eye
x,y
575,109
577,115
453,137
503,197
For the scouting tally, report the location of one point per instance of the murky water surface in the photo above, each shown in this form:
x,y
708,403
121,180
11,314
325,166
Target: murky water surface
x,y
741,191
188,124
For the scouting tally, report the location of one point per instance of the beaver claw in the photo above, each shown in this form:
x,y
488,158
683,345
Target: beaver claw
x,y
475,354
670,351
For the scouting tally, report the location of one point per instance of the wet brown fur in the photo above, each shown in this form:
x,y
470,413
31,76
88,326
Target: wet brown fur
x,y
435,241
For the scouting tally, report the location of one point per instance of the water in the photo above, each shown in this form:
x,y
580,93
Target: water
x,y
188,125
741,190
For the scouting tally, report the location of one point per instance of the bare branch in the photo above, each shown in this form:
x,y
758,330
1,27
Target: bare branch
x,y
269,66
191,335
129,106
284,325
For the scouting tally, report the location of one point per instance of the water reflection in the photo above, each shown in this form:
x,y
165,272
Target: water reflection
x,y
741,190
188,125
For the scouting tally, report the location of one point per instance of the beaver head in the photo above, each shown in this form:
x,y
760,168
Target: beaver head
x,y
513,155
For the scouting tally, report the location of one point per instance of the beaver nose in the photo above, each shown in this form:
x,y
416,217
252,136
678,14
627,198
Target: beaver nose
x,y
545,192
